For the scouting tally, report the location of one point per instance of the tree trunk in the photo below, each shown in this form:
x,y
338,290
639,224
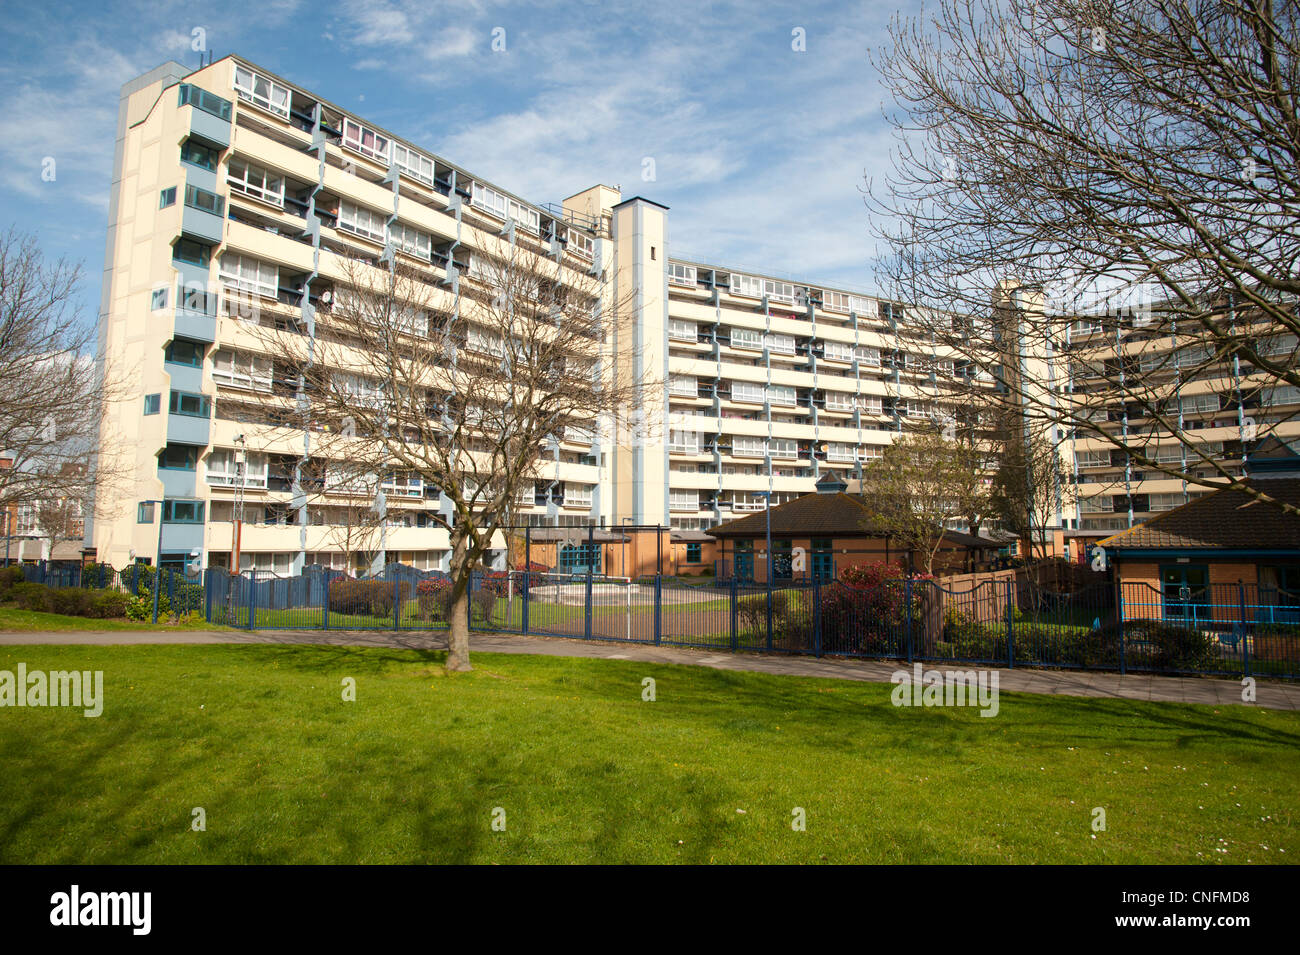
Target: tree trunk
x,y
458,625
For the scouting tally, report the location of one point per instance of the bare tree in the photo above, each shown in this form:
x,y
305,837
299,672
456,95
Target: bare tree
x,y
52,402
1110,188
922,484
1029,488
464,391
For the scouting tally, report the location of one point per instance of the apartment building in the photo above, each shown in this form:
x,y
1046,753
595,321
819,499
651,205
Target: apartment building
x,y
236,196
1220,405
234,186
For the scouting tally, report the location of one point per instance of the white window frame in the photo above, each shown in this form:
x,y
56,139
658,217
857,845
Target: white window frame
x,y
684,442
866,355
221,469
839,401
750,339
837,351
412,241
415,164
683,386
578,495
748,391
785,448
248,274
683,275
362,221
683,499
275,98
682,330
246,370
255,182
501,206
783,395
355,137
780,344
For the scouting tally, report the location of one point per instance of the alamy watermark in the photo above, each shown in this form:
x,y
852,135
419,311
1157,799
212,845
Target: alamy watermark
x,y
923,687
76,688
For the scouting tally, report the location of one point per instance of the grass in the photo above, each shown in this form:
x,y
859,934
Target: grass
x,y
13,619
586,771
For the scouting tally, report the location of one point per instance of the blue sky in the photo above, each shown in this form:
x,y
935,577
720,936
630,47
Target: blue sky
x,y
759,150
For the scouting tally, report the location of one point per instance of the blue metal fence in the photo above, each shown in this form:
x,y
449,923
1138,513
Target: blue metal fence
x,y
1225,629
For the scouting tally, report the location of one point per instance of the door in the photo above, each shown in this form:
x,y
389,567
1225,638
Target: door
x,y
823,560
1185,589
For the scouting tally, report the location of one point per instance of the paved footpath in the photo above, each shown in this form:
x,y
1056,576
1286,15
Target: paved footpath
x,y
1167,689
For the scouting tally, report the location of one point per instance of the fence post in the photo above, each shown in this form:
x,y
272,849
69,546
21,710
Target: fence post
x,y
817,617
1119,616
735,635
907,620
528,573
658,609
252,598
768,575
207,593
397,602
1011,619
591,560
469,602
1245,636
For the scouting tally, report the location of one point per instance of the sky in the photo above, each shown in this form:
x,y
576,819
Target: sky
x,y
757,124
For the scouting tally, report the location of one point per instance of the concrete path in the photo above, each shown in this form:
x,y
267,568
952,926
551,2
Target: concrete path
x,y
1167,689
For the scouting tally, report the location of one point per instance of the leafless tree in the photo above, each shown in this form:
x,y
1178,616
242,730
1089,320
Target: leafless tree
x,y
1029,488
923,483
1111,187
52,400
465,392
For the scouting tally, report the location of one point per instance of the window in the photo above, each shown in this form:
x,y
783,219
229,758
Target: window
x,y
753,287
416,165
144,512
197,154
681,275
195,253
178,457
167,197
687,500
182,512
204,201
781,344
845,303
867,356
242,370
254,181
181,351
158,299
684,442
224,470
1198,404
747,338
1092,459
783,448
260,91
838,401
503,207
208,102
577,495
190,405
364,140
1166,501
780,395
682,331
1098,504
412,241
683,386
837,451
361,221
871,404
248,274
748,447
837,351
581,245
748,391
694,552
580,559
403,484
1280,395
152,403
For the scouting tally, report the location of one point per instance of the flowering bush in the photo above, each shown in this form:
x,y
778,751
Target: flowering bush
x,y
866,610
433,597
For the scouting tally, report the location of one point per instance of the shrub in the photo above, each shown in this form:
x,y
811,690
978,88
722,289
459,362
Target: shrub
x,y
753,611
33,597
532,572
484,603
433,597
72,601
376,597
865,611
108,605
9,576
141,607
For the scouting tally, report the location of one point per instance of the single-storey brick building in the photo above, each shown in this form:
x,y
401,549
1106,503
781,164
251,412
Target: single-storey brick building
x,y
1207,558
830,529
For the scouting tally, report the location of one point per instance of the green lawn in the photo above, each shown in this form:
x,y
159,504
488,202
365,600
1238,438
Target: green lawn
x,y
587,772
11,618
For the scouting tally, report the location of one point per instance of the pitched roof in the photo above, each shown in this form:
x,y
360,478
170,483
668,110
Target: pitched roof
x,y
1227,519
822,515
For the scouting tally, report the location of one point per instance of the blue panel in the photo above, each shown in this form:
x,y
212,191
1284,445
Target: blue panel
x,y
178,483
185,378
182,537
202,225
210,127
182,429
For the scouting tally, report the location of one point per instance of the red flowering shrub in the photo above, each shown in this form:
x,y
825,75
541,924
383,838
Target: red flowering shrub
x,y
866,610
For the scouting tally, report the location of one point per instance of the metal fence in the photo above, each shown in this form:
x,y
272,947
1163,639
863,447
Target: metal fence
x,y
181,593
1222,629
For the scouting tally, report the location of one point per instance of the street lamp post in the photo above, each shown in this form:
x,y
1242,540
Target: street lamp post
x,y
767,498
622,524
